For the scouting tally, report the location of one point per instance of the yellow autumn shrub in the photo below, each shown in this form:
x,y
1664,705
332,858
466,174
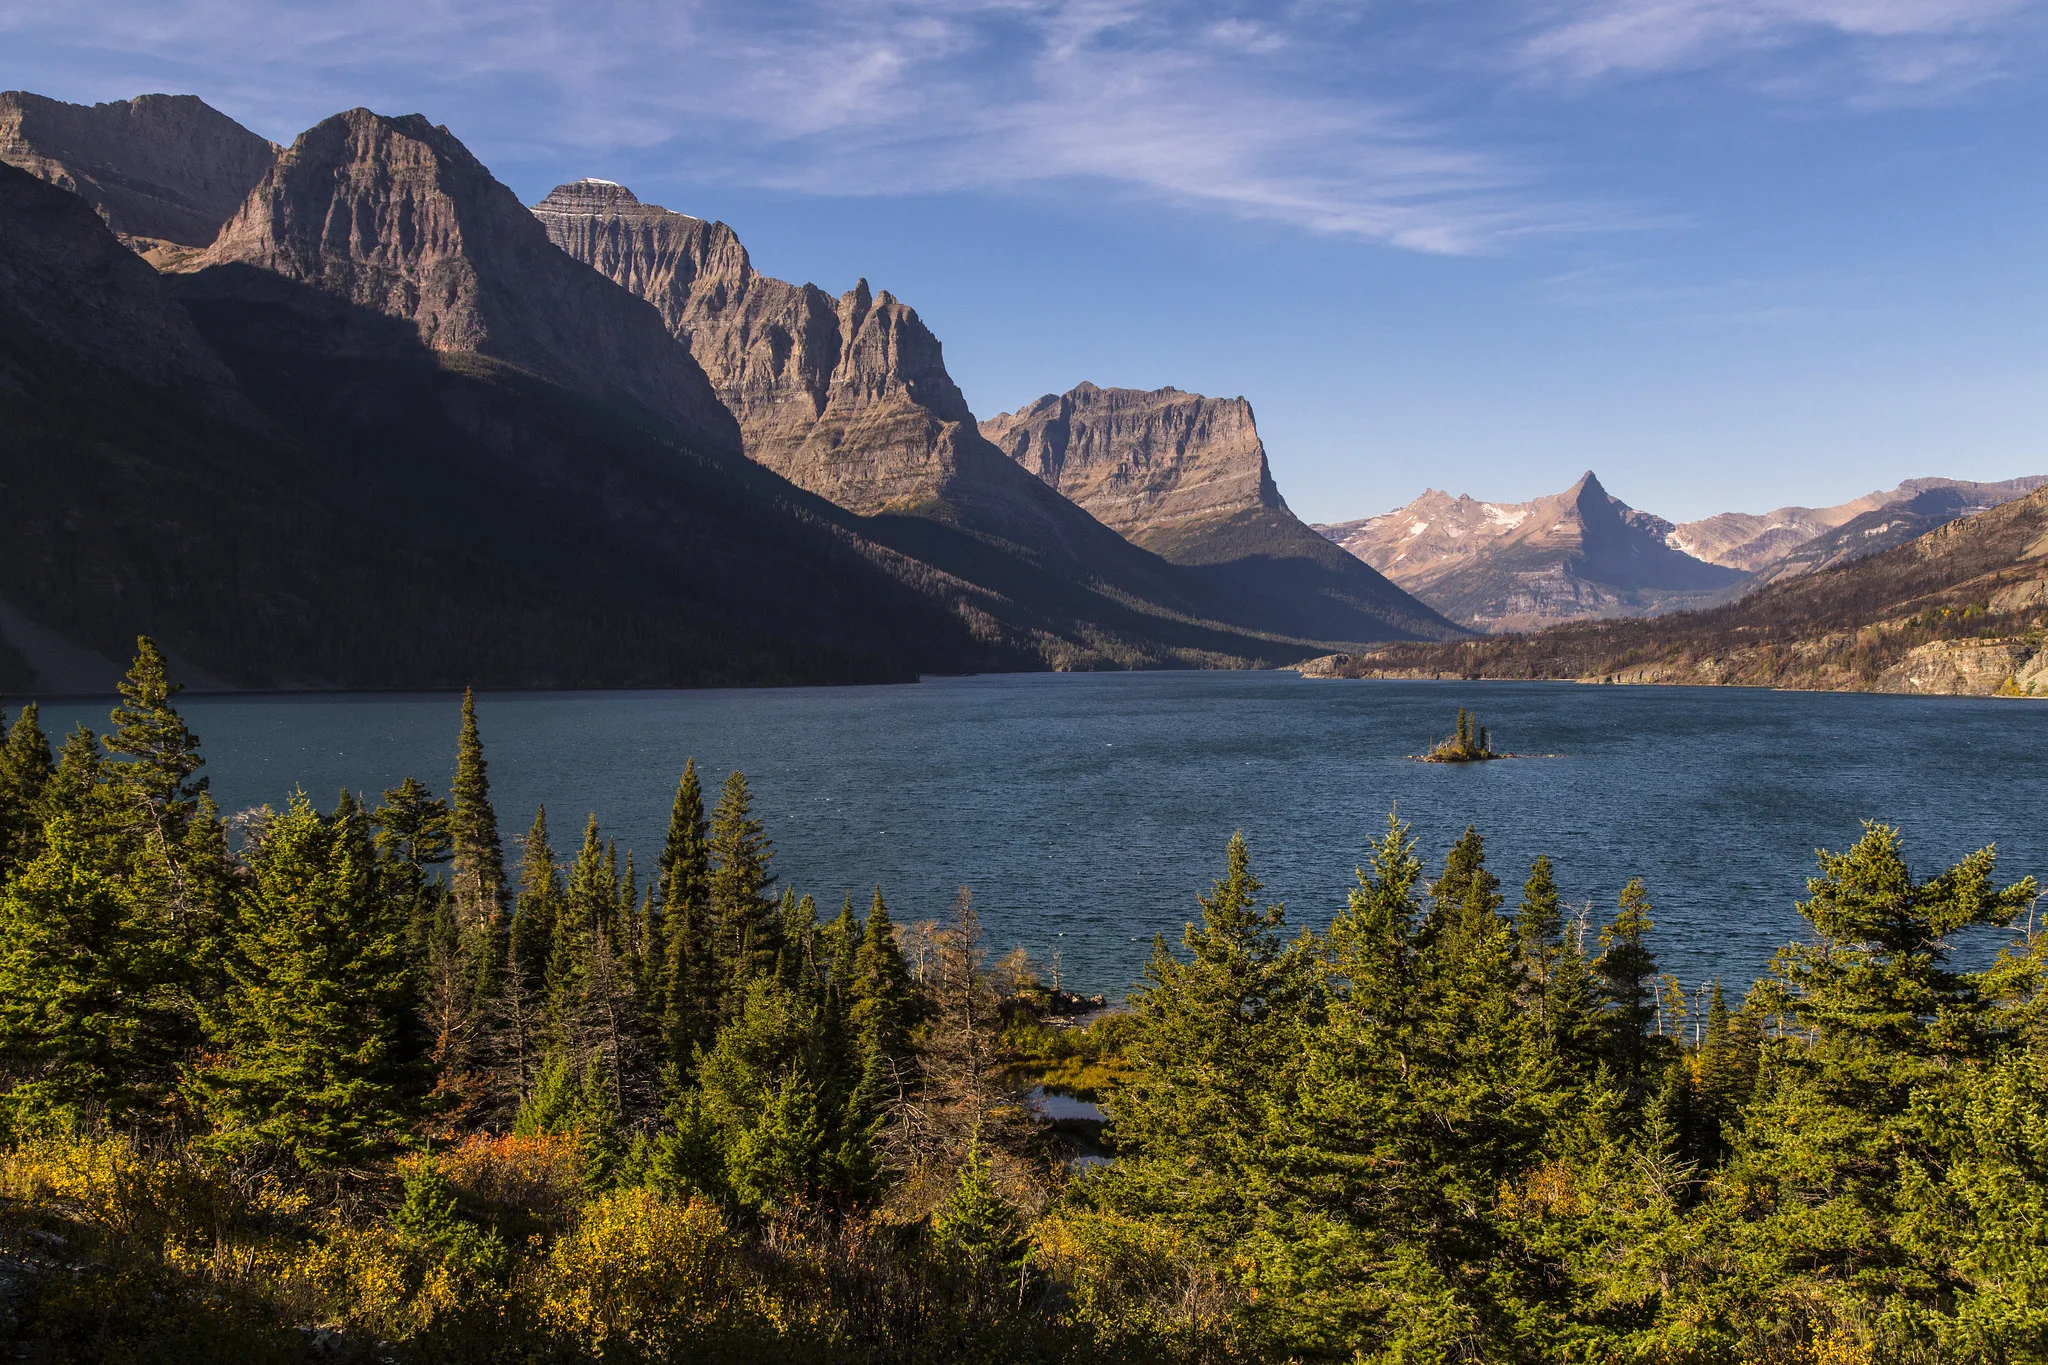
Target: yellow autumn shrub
x,y
645,1272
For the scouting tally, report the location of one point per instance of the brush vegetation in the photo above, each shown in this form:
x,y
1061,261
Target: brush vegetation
x,y
365,1083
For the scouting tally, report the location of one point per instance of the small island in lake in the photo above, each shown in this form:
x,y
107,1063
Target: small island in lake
x,y
1469,744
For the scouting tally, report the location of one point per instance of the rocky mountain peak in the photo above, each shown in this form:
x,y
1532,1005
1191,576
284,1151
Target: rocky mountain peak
x,y
847,396
395,215
1142,462
1582,552
161,170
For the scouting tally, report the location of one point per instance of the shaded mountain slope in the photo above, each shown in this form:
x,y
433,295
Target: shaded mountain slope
x,y
849,397
1961,609
1518,566
292,490
164,171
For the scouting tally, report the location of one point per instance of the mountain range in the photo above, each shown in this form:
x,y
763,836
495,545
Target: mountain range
x,y
1585,554
1959,609
348,414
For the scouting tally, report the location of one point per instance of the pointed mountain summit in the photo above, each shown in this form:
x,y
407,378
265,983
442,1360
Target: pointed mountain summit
x,y
395,215
163,171
1520,566
1186,477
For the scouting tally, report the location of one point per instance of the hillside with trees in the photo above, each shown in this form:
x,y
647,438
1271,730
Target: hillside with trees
x,y
370,1081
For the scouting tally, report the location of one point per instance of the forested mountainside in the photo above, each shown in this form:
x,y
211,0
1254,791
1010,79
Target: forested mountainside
x,y
380,432
850,398
1521,566
363,1084
1961,609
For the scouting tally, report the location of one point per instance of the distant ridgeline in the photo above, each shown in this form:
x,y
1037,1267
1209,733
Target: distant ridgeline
x,y
1961,610
347,1076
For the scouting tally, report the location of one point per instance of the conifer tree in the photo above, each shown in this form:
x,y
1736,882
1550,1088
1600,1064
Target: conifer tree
x,y
1215,1059
1539,930
1465,895
520,1009
307,1063
743,919
154,787
478,881
1626,977
25,768
74,787
88,1023
688,999
881,998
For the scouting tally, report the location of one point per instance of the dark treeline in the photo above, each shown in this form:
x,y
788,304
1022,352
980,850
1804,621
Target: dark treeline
x,y
367,1083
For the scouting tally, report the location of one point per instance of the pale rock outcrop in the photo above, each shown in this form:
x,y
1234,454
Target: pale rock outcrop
x,y
396,216
847,396
1142,462
163,171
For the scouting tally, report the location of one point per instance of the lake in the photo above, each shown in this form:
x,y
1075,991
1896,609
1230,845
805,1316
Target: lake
x,y
1086,810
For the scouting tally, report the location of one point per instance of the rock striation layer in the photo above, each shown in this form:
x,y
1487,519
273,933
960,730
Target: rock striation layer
x,y
161,170
1142,462
849,397
1521,566
396,216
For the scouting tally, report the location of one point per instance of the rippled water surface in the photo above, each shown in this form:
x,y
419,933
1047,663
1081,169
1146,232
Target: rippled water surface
x,y
1087,810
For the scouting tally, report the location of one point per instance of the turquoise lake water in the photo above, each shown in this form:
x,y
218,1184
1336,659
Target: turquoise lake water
x,y
1086,810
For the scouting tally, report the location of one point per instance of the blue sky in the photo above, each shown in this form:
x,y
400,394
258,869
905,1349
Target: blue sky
x,y
1731,254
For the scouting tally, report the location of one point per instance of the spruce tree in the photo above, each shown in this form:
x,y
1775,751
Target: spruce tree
x,y
153,788
520,1010
687,1002
1626,977
25,768
89,1024
1215,1057
75,786
1464,894
478,858
306,1062
1539,929
743,919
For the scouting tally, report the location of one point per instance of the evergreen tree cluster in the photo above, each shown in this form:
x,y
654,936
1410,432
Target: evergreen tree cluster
x,y
364,1047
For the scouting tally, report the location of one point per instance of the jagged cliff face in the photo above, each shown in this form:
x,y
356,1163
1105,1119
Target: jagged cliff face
x,y
848,396
163,171
395,216
1521,566
1142,463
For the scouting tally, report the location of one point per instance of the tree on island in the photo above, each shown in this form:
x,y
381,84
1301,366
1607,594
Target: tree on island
x,y
1470,743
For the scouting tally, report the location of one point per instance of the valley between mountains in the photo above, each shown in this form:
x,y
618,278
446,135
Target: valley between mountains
x,y
347,414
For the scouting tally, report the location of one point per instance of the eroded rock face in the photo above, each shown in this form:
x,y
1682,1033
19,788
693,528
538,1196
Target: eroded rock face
x,y
848,396
394,215
1142,462
1519,566
1793,540
161,170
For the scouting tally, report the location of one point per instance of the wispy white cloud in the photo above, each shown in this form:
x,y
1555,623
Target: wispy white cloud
x,y
1324,116
1856,51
